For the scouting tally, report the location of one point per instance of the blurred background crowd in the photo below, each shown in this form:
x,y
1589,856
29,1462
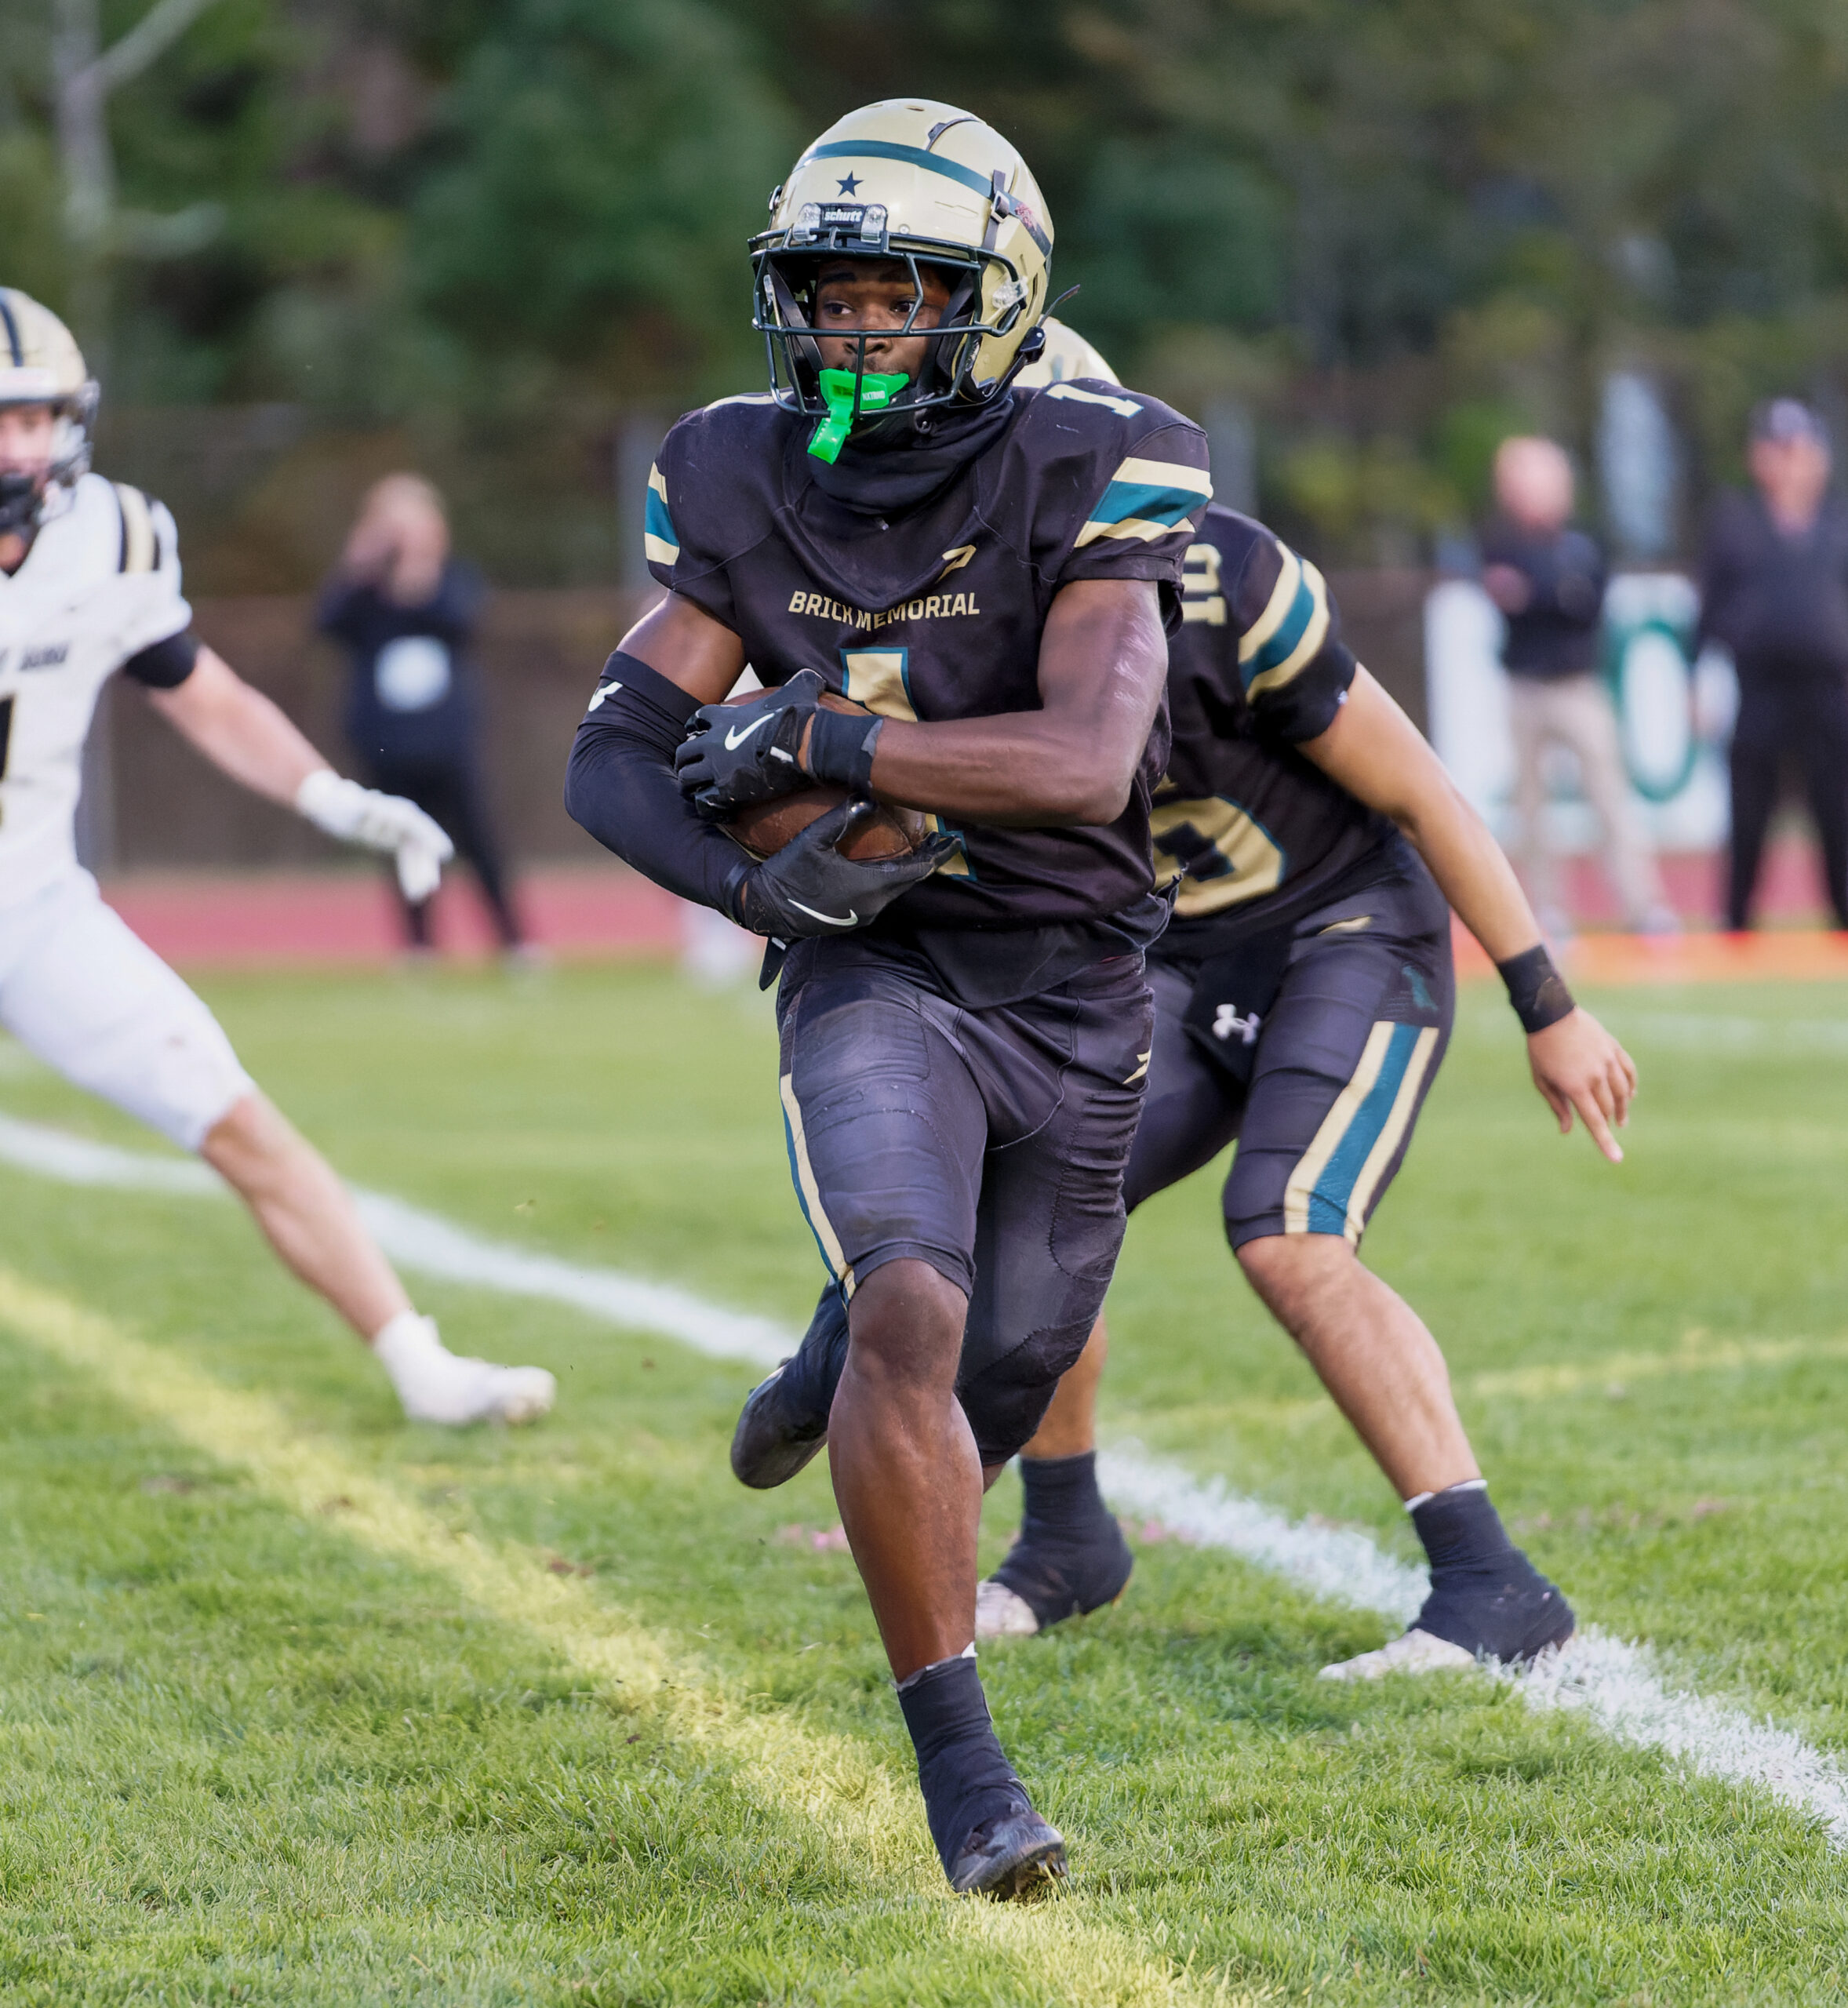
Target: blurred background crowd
x,y
306,244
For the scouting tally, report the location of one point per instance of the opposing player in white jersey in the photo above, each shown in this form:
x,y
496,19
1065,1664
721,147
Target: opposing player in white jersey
x,y
89,584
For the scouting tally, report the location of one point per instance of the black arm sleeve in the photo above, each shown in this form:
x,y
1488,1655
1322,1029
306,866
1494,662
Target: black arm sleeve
x,y
620,785
165,665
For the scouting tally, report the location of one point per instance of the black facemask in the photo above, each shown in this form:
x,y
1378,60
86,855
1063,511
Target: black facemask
x,y
21,497
903,458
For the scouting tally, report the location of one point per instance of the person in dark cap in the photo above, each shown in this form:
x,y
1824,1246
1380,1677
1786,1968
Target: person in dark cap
x,y
1774,589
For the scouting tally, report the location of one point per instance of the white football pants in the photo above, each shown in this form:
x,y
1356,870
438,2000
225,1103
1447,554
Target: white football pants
x,y
86,995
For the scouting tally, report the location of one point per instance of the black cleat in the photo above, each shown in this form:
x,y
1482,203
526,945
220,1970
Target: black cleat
x,y
1018,1855
784,1420
988,1837
1044,1581
1507,1612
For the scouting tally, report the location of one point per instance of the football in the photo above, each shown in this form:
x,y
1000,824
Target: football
x,y
763,828
766,826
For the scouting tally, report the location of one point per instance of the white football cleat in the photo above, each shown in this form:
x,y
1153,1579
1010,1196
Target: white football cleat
x,y
477,1391
1412,1652
1000,1614
437,1385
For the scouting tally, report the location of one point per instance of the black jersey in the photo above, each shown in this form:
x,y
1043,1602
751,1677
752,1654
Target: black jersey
x,y
1253,831
936,614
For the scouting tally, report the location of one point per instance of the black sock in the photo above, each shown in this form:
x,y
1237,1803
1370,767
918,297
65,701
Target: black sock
x,y
1071,1558
1486,1595
1062,1498
1461,1529
963,1772
812,1374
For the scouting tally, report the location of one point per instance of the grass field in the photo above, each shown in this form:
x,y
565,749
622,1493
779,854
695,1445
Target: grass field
x,y
300,1704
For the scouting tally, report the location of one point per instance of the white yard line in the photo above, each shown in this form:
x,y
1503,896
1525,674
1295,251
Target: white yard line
x,y
1701,1032
1613,1682
1698,1031
431,1246
1340,1563
436,1247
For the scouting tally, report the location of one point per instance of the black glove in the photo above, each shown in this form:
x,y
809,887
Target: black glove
x,y
735,754
809,888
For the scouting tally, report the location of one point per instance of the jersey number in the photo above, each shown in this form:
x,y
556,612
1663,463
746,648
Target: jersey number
x,y
879,679
1221,857
6,739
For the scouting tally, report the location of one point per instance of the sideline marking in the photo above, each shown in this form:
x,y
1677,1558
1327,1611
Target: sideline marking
x,y
428,1243
1696,1354
1721,1036
1612,1681
871,1818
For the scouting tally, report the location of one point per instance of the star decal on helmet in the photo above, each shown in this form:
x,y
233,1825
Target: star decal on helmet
x,y
851,185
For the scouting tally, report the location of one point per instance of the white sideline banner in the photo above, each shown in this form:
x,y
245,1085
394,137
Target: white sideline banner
x,y
1675,714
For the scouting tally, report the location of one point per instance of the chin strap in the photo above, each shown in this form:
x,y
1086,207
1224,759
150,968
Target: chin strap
x,y
847,394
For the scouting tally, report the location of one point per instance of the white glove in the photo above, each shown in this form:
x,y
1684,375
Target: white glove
x,y
358,815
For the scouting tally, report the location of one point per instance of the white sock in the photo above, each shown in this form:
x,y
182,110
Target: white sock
x,y
1462,1484
413,1355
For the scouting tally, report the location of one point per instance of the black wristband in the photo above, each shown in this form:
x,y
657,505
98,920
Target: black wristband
x,y
735,904
840,747
1536,989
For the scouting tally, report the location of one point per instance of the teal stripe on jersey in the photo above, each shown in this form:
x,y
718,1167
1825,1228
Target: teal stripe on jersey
x,y
656,520
1290,631
1125,501
1328,1203
912,156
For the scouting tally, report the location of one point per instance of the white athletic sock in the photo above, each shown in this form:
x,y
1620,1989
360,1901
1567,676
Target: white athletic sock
x,y
412,1353
1462,1485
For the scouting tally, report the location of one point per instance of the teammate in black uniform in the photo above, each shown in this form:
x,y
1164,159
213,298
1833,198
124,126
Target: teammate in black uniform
x,y
965,1031
1304,996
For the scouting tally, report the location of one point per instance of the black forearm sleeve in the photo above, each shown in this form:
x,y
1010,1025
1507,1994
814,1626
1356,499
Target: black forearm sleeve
x,y
620,786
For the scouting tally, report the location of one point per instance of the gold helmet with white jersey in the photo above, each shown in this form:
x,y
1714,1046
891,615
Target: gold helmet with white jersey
x,y
1065,355
920,184
41,364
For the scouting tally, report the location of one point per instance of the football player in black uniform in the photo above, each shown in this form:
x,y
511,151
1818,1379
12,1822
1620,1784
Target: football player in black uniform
x,y
1304,997
966,1028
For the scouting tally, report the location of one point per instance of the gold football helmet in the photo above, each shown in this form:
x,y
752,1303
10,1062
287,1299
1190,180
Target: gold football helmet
x,y
41,364
921,183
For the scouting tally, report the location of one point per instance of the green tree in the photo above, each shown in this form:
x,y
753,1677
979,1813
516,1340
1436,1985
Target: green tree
x,y
603,163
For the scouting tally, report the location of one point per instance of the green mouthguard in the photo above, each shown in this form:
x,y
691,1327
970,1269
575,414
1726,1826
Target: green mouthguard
x,y
876,392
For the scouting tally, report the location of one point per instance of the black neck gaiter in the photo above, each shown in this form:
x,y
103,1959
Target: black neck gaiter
x,y
887,472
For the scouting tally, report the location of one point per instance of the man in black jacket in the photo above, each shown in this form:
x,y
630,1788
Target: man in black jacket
x,y
405,611
1774,588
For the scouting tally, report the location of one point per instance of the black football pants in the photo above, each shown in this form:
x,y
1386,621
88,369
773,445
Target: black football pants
x,y
990,1143
450,793
1807,722
1345,1056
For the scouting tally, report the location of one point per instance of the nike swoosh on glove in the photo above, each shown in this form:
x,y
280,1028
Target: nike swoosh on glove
x,y
810,888
358,815
735,755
